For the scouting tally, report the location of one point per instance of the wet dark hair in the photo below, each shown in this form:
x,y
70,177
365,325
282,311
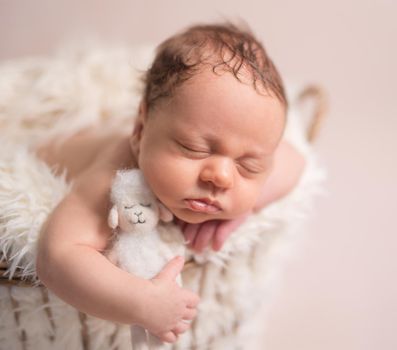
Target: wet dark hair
x,y
224,47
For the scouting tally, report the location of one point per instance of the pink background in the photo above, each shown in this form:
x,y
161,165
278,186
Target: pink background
x,y
340,290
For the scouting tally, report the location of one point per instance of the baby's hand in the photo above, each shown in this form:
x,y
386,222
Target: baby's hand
x,y
214,232
172,307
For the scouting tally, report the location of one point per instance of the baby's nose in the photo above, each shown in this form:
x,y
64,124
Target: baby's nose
x,y
219,171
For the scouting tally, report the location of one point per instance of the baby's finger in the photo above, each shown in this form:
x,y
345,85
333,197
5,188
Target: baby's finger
x,y
190,314
224,230
192,300
169,337
221,235
181,327
172,269
190,232
181,224
205,234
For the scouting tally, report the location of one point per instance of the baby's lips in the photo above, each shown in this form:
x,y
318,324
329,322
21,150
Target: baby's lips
x,y
202,206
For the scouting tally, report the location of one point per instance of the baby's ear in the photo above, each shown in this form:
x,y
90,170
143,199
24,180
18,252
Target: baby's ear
x,y
142,112
140,121
137,132
164,213
113,218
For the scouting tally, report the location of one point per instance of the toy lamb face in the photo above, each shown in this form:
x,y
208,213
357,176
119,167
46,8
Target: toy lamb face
x,y
135,208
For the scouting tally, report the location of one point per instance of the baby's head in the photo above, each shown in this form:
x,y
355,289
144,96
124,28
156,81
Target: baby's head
x,y
212,115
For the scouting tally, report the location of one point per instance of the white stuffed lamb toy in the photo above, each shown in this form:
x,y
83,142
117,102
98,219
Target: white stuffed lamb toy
x,y
141,246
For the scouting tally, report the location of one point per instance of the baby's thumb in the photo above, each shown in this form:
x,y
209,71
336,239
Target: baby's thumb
x,y
172,269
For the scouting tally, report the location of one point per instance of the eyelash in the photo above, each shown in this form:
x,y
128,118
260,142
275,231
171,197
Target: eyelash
x,y
191,150
251,171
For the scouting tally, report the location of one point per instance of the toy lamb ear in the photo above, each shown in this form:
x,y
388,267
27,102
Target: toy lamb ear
x,y
113,218
165,214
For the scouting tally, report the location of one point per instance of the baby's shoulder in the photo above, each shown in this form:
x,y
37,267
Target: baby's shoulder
x,y
80,218
91,147
86,207
93,185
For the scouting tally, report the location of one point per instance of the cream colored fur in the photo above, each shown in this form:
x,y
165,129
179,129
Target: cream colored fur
x,y
139,246
45,96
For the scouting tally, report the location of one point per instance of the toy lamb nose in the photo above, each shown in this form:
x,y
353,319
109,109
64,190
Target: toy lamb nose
x,y
139,218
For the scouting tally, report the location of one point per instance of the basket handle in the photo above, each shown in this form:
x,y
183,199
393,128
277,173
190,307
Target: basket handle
x,y
317,96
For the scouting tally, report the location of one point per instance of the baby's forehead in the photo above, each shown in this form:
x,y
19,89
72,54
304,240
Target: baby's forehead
x,y
207,77
225,85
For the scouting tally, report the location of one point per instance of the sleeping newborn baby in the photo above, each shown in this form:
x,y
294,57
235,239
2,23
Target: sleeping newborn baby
x,y
208,139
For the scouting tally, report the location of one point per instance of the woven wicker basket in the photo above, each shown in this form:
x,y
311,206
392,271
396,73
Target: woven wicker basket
x,y
312,94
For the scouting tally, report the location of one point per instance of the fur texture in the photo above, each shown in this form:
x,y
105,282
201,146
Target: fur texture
x,y
40,97
139,247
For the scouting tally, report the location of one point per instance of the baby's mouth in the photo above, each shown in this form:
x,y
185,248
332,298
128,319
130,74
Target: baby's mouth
x,y
203,205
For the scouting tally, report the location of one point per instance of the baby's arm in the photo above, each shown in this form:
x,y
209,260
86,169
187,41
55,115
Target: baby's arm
x,y
70,263
287,168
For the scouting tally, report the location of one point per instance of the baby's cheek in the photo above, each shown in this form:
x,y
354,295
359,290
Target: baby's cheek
x,y
245,199
167,177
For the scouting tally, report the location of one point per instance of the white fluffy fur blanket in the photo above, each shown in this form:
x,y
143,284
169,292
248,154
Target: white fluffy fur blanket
x,y
43,97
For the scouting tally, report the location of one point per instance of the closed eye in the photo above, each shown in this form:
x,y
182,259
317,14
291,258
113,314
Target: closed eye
x,y
251,168
146,205
129,207
193,151
248,170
